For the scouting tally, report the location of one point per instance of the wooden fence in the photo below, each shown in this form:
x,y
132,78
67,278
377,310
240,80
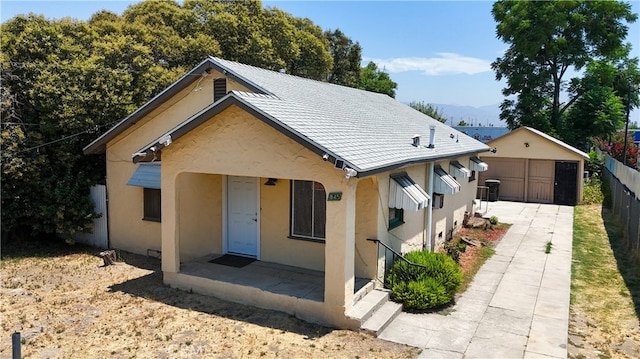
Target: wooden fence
x,y
624,183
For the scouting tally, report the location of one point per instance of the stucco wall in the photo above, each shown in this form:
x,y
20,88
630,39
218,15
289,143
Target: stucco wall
x,y
127,230
410,235
275,245
451,215
200,208
366,227
235,143
512,145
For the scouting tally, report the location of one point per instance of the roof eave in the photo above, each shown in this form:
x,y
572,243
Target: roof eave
x,y
214,109
99,145
397,165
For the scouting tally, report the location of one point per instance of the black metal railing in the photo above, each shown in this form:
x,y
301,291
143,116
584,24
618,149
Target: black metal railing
x,y
394,255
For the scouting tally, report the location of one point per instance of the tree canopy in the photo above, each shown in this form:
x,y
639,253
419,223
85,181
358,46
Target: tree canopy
x,y
375,80
429,110
65,82
550,40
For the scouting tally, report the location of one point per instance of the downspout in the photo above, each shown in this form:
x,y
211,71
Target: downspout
x,y
429,212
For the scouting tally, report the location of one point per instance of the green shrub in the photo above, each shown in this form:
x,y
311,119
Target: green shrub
x,y
493,220
454,248
593,191
423,287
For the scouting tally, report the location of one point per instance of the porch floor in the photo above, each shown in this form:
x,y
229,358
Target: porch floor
x,y
271,277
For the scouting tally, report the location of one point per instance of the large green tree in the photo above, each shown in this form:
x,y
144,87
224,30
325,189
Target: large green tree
x,y
548,40
64,82
346,59
375,80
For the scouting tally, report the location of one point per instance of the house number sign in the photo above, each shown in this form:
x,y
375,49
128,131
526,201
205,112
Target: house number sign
x,y
334,196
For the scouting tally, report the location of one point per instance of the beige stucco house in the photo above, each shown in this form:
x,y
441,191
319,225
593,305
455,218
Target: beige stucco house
x,y
291,172
535,167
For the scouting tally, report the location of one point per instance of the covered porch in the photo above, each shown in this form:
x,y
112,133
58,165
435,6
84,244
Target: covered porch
x,y
269,285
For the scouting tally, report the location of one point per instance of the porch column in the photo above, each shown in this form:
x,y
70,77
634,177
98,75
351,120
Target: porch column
x,y
339,253
170,220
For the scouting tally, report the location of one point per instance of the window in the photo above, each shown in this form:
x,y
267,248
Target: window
x,y
472,177
152,205
396,217
308,210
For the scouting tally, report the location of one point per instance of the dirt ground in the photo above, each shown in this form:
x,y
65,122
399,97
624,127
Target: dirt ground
x,y
67,305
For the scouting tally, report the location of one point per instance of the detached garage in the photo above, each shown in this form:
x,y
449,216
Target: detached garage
x,y
535,167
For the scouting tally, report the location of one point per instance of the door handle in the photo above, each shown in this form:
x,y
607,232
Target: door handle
x,y
255,220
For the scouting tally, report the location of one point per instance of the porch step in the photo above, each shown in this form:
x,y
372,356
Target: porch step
x,y
362,292
375,311
364,308
382,317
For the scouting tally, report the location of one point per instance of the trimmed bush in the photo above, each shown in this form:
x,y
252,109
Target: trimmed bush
x,y
420,288
493,220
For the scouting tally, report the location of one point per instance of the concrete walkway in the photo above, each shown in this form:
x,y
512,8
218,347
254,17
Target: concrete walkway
x,y
518,303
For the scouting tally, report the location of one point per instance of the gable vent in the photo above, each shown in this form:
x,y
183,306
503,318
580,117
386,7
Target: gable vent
x,y
219,89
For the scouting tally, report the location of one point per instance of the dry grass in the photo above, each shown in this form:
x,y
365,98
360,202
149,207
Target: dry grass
x,y
604,318
66,305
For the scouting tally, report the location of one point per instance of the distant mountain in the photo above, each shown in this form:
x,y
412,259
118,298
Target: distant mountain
x,y
474,116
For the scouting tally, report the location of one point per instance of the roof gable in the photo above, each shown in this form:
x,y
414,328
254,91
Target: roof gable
x,y
518,133
371,132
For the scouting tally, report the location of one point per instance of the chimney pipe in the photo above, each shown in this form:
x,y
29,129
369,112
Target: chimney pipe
x,y
432,136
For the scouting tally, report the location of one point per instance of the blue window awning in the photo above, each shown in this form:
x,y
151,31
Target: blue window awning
x,y
404,193
459,170
444,183
476,164
147,175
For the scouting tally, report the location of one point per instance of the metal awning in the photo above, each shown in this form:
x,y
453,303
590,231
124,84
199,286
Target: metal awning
x,y
444,183
147,175
476,164
404,193
459,170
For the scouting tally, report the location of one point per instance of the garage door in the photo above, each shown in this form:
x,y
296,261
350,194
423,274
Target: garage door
x,y
540,187
510,172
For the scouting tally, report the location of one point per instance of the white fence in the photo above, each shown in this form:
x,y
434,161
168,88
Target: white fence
x,y
100,235
624,183
626,175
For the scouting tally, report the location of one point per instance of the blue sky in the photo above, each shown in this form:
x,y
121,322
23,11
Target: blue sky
x,y
437,51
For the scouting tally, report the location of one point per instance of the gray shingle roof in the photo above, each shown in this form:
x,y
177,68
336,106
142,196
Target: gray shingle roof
x,y
368,130
371,132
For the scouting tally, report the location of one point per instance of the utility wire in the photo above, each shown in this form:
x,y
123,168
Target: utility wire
x,y
90,130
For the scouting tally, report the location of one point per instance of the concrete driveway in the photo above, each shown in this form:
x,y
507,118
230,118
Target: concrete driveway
x,y
518,303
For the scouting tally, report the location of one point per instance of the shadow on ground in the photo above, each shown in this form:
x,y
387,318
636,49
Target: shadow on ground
x,y
151,287
628,267
43,246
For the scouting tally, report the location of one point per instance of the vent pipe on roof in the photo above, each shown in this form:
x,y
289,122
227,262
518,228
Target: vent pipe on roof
x,y
432,136
416,140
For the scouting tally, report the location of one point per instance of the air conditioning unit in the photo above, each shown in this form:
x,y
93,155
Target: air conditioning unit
x,y
437,200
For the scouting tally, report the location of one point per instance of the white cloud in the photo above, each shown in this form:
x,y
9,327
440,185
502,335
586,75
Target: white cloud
x,y
445,64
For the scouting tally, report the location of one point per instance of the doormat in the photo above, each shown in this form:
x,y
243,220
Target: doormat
x,y
232,261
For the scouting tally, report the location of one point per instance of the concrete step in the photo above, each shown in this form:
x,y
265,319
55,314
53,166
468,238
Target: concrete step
x,y
382,317
362,292
365,307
